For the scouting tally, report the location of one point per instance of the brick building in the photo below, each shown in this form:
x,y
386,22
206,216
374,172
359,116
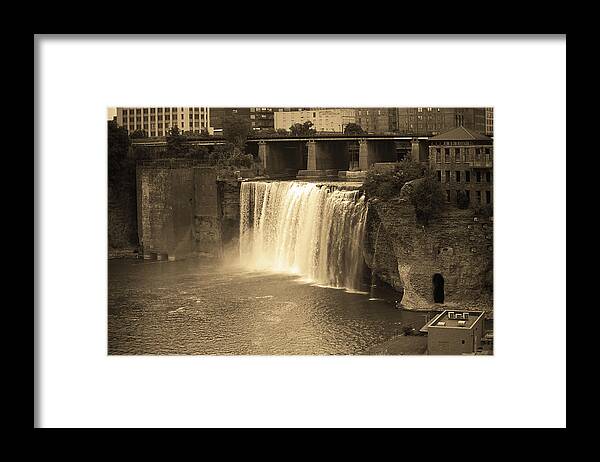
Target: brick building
x,y
463,161
377,120
430,121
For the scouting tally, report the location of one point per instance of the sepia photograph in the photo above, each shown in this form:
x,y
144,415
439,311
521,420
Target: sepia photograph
x,y
300,231
388,227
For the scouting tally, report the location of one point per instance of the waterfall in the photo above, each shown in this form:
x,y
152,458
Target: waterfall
x,y
308,229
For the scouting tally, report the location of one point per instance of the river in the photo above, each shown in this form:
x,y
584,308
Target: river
x,y
201,307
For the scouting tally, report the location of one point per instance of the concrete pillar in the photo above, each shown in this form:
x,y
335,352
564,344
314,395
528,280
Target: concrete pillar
x,y
363,154
263,152
312,155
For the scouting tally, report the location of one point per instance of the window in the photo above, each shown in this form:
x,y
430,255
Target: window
x,y
447,176
467,176
477,154
458,176
447,195
457,154
439,175
447,154
478,197
488,197
478,177
468,194
488,177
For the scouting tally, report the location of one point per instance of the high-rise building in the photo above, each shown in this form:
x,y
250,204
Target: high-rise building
x,y
261,118
430,121
157,121
489,121
377,120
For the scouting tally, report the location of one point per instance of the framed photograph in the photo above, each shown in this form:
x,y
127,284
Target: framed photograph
x,y
373,227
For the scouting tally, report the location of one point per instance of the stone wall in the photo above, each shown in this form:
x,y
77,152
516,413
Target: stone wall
x,y
122,223
183,210
458,244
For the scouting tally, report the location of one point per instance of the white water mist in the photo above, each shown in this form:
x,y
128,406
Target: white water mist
x,y
316,231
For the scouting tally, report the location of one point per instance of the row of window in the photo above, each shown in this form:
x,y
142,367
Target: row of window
x,y
467,176
478,196
459,152
159,110
132,127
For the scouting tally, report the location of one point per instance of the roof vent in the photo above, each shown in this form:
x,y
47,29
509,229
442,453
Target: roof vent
x,y
441,323
462,323
451,315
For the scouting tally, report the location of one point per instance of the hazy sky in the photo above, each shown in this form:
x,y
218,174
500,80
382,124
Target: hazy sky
x,y
111,112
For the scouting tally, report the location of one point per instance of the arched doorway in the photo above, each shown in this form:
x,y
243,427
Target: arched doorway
x,y
438,288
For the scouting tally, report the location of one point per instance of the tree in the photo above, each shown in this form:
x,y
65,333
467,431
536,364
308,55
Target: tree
x,y
427,198
353,129
387,185
282,131
304,129
139,133
235,131
118,148
176,143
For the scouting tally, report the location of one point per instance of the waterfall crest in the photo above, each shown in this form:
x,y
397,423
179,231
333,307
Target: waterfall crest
x,y
312,230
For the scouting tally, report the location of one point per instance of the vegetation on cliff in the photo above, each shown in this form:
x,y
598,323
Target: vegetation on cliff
x,y
387,185
426,194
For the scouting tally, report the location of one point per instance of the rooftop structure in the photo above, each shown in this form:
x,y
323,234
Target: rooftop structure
x,y
454,332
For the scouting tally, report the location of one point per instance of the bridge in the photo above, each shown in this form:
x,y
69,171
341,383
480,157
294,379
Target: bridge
x,y
319,156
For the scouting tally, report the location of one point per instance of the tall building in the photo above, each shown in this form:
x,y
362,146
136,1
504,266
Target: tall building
x,y
489,121
261,118
430,121
377,120
157,121
332,120
463,162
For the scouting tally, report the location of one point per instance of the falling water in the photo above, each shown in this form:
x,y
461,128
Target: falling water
x,y
308,229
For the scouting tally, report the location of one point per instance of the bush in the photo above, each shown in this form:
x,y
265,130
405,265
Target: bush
x,y
462,200
485,211
387,185
428,198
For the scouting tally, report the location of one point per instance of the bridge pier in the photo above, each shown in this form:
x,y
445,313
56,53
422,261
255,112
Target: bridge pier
x,y
280,158
370,152
325,159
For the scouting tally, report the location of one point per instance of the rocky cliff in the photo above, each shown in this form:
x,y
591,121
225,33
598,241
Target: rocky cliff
x,y
456,247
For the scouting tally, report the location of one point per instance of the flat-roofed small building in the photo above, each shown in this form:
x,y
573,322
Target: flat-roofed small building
x,y
455,332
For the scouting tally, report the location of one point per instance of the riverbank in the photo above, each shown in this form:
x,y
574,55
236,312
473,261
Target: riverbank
x,y
400,345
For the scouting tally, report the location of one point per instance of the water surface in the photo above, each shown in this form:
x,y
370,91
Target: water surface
x,y
196,306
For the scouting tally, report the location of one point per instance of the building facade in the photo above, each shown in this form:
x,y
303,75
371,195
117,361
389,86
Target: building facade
x,y
431,121
332,120
157,121
463,162
377,120
489,121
